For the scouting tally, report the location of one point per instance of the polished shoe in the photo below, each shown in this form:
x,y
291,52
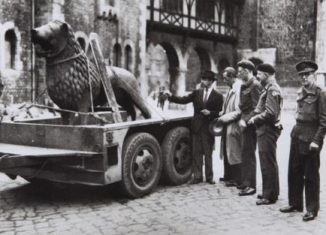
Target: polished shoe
x,y
264,201
222,179
260,196
247,191
211,181
308,216
241,187
289,209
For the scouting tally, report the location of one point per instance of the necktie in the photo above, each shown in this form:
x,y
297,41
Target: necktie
x,y
205,95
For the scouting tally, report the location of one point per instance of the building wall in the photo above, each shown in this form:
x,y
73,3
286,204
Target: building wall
x,y
281,31
15,15
193,56
287,25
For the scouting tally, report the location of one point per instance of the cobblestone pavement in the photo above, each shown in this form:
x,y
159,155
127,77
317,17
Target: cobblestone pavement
x,y
199,209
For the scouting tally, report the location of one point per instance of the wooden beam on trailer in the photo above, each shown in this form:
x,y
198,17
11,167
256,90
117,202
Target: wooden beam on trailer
x,y
96,52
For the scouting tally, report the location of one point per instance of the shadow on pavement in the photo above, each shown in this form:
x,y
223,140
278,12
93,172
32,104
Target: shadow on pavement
x,y
57,193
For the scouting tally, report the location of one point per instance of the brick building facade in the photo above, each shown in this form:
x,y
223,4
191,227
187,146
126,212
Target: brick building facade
x,y
161,41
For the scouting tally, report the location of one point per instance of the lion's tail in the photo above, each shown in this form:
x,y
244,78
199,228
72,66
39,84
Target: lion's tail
x,y
127,81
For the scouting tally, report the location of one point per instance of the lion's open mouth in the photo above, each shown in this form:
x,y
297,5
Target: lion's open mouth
x,y
42,45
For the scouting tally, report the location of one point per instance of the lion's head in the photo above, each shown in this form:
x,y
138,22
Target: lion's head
x,y
52,38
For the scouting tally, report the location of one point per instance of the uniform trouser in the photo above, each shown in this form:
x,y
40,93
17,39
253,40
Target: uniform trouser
x,y
202,144
231,172
303,173
267,138
248,166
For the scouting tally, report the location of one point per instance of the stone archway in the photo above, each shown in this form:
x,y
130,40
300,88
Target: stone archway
x,y
198,61
162,67
222,64
173,62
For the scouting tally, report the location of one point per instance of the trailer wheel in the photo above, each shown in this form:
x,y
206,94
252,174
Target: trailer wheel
x,y
177,158
141,164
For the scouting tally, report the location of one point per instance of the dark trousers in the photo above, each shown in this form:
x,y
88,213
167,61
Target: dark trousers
x,y
248,166
202,144
303,173
231,172
267,137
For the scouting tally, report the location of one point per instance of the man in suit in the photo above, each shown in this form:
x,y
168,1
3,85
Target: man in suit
x,y
267,121
249,96
307,138
207,104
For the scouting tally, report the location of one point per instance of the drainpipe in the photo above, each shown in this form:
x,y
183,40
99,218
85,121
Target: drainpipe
x,y
33,91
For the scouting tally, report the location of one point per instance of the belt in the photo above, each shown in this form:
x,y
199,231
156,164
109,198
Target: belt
x,y
307,123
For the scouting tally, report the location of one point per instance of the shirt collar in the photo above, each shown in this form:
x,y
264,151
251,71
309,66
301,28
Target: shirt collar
x,y
249,82
310,91
269,83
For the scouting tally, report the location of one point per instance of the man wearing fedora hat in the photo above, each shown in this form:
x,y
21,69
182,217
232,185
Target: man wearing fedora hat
x,y
207,104
306,142
249,96
230,150
268,128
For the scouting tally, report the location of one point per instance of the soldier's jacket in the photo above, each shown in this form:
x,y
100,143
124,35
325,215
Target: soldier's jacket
x,y
249,96
268,109
310,115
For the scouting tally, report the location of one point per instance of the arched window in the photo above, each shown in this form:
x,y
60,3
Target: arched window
x,y
10,49
128,58
82,43
117,55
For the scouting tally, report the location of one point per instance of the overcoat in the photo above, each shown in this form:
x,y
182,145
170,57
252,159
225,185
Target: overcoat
x,y
231,114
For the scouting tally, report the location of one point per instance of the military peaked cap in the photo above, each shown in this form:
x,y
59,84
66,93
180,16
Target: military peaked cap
x,y
267,68
306,66
207,74
247,64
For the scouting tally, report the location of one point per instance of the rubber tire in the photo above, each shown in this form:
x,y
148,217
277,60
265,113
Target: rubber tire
x,y
133,144
170,175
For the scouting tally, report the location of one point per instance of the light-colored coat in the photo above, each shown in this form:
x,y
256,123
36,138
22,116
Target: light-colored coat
x,y
231,114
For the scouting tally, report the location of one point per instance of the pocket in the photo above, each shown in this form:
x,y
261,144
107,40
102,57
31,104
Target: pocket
x,y
234,130
304,147
261,130
307,108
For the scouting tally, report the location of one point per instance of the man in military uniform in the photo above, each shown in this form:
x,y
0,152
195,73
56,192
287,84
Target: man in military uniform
x,y
306,142
268,128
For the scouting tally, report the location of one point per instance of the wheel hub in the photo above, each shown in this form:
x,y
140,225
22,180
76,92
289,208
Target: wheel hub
x,y
143,166
181,157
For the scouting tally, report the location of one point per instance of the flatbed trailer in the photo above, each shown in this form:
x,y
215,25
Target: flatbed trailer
x,y
133,153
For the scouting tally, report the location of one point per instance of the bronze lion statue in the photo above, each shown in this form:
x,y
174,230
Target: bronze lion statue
x,y
69,74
